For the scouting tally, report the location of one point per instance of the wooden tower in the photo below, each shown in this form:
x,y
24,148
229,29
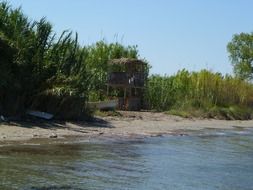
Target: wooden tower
x,y
128,76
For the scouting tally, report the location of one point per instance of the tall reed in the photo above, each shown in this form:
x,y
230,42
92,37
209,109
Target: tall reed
x,y
203,89
43,63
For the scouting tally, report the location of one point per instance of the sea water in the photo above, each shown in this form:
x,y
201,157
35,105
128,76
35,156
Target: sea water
x,y
208,159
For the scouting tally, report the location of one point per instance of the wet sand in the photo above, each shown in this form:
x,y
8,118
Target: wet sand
x,y
130,124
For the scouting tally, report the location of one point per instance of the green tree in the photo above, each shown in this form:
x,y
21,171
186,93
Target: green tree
x,y
241,55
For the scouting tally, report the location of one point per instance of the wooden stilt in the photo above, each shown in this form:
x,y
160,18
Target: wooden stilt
x,y
125,101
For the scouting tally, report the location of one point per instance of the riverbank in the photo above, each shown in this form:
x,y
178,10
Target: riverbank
x,y
127,124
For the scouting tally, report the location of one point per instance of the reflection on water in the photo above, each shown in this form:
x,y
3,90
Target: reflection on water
x,y
208,160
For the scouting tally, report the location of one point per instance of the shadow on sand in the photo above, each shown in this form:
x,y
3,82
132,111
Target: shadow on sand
x,y
59,124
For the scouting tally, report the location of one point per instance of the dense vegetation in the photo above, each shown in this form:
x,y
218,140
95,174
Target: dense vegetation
x,y
205,93
201,93
40,70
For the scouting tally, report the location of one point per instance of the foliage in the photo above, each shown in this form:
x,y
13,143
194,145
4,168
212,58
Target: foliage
x,y
241,55
36,62
40,70
97,60
204,90
230,113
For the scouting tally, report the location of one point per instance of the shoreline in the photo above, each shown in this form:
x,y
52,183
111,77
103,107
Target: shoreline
x,y
129,125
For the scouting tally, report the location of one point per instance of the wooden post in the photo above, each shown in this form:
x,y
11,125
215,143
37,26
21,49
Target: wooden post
x,y
125,98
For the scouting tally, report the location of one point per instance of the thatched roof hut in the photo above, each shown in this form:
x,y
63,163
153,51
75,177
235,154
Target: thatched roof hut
x,y
129,65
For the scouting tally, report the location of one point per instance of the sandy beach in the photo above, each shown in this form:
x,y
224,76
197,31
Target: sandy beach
x,y
130,124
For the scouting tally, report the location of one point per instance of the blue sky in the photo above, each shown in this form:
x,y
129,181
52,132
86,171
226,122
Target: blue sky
x,y
170,34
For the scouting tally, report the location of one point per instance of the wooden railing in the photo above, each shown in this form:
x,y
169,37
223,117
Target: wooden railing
x,y
126,79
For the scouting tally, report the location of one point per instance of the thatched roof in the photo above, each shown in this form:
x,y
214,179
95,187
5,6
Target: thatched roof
x,y
125,61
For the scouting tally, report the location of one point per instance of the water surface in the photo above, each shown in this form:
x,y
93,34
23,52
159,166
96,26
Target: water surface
x,y
207,160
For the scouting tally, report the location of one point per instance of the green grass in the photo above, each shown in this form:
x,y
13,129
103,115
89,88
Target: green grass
x,y
224,113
